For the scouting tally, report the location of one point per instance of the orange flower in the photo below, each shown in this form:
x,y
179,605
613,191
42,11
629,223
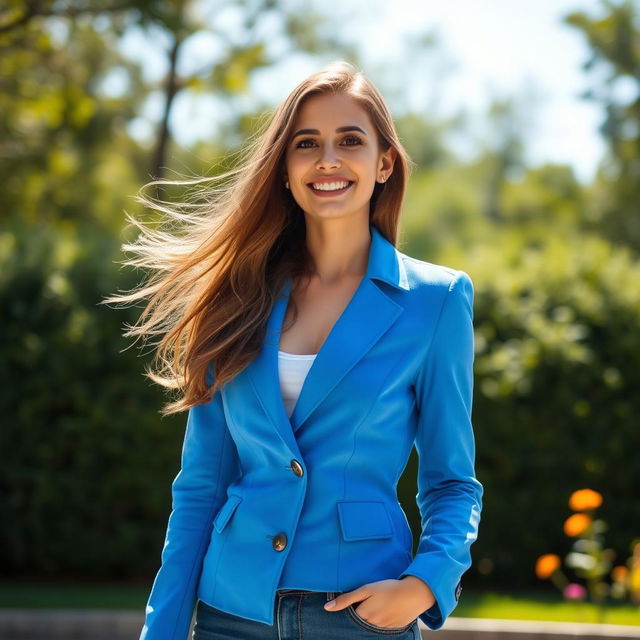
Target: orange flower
x,y
547,564
576,524
620,573
584,499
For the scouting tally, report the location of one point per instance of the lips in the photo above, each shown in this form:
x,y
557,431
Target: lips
x,y
330,192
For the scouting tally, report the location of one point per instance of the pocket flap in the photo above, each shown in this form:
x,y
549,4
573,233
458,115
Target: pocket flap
x,y
226,512
364,519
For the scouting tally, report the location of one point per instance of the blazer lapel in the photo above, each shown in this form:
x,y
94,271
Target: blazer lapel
x,y
263,371
367,317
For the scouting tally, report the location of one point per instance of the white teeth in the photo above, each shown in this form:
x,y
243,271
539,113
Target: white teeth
x,y
330,186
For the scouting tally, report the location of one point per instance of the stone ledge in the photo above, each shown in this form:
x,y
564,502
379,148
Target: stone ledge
x,y
69,624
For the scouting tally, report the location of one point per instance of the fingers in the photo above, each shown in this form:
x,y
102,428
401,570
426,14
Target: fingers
x,y
345,599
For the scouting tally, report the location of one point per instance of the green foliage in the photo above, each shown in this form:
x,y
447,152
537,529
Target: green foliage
x,y
86,486
557,370
613,38
85,479
63,143
557,363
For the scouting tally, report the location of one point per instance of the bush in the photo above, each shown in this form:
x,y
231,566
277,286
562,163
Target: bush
x,y
86,483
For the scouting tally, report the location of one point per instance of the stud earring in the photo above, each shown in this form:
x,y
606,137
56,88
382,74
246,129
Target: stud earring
x,y
286,184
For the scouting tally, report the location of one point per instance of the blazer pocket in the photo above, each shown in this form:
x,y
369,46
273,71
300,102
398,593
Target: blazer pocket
x,y
226,511
364,519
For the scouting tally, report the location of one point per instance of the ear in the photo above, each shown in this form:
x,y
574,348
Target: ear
x,y
386,161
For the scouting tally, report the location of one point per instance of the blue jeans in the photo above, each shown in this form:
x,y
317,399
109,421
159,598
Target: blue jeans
x,y
298,615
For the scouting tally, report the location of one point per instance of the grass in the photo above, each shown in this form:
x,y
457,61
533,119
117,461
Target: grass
x,y
526,605
73,596
542,605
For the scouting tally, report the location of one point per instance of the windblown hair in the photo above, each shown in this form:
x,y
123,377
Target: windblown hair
x,y
227,250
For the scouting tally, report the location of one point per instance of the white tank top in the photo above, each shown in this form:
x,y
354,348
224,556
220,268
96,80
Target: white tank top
x,y
293,369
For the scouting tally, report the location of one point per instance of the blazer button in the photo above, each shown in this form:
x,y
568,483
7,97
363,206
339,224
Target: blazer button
x,y
279,541
297,468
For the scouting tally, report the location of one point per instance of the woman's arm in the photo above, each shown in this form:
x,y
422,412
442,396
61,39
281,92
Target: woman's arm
x,y
449,495
209,464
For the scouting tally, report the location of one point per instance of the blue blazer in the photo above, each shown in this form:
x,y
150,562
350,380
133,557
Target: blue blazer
x,y
265,502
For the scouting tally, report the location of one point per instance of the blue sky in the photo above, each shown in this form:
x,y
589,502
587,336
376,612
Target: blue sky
x,y
485,49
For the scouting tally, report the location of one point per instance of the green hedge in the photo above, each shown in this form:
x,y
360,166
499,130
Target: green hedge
x,y
86,455
557,395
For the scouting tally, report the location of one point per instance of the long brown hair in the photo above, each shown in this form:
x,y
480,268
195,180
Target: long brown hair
x,y
228,249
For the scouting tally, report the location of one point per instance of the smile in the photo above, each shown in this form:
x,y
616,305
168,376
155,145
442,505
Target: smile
x,y
325,189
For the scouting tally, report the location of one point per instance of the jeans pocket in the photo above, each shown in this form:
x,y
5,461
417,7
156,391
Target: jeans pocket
x,y
359,620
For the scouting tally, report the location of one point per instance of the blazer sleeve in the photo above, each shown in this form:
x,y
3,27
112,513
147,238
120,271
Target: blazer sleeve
x,y
209,463
449,495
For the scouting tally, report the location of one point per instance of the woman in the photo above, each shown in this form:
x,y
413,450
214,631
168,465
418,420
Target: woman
x,y
312,356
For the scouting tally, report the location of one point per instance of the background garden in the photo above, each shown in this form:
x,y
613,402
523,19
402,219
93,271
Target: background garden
x,y
87,464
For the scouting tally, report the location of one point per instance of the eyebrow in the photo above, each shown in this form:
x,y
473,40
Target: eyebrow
x,y
349,127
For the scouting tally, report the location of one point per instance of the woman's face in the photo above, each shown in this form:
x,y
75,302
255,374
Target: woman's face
x,y
320,152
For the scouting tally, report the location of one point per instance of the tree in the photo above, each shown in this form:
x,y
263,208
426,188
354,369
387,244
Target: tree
x,y
614,39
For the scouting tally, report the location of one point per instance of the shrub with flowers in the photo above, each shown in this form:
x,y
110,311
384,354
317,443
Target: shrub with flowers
x,y
590,560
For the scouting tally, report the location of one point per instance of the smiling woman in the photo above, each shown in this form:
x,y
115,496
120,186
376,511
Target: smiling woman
x,y
312,356
334,158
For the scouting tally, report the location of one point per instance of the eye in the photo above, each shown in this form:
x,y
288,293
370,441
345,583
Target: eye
x,y
355,140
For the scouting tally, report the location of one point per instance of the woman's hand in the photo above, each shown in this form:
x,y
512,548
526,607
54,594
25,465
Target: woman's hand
x,y
387,603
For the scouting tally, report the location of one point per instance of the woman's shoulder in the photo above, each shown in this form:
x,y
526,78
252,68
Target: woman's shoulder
x,y
426,275
432,284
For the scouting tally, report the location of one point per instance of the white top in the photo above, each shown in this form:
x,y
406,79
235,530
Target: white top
x,y
293,369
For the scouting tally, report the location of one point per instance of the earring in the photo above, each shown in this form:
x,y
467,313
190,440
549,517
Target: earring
x,y
286,184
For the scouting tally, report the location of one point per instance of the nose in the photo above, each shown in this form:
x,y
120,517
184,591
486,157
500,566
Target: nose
x,y
328,158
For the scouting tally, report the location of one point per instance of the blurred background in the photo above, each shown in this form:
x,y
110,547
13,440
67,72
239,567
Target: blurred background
x,y
524,122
